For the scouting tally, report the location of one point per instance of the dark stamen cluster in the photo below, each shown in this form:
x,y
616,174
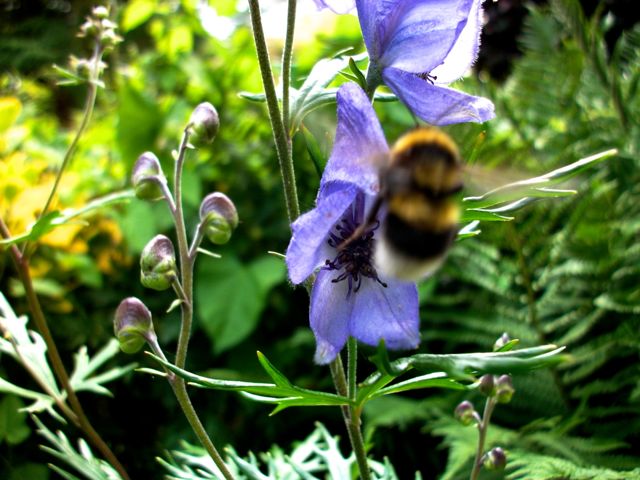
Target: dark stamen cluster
x,y
355,256
426,76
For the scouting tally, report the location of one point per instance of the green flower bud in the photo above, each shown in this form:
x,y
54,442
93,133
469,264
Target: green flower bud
x,y
486,386
204,124
132,325
88,29
158,263
501,342
504,389
218,217
145,176
109,38
495,459
465,413
100,12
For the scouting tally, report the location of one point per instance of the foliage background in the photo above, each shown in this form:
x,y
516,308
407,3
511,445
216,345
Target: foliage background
x,y
564,272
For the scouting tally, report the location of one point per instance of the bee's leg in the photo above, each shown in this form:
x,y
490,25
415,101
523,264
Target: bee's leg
x,y
370,220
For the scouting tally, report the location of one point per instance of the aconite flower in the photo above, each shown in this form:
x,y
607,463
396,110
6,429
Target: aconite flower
x,y
417,47
349,298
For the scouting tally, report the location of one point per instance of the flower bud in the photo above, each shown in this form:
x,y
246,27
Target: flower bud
x,y
501,342
110,38
204,124
145,176
218,217
132,325
486,385
158,263
504,389
100,12
465,413
495,459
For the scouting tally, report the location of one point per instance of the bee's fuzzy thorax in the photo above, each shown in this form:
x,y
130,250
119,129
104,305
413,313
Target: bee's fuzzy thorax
x,y
424,136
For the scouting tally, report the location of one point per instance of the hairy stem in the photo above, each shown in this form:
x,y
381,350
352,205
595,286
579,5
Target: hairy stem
x,y
286,65
92,92
80,419
283,146
483,426
186,265
350,415
186,293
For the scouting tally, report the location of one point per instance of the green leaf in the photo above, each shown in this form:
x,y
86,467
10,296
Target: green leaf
x,y
230,301
313,148
136,13
13,424
466,365
537,187
55,219
140,121
81,460
313,93
283,394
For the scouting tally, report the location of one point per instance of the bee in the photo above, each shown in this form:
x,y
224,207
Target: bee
x,y
418,198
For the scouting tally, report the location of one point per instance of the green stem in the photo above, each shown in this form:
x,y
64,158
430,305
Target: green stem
x,y
286,65
186,265
80,419
92,92
350,414
352,363
180,390
483,427
283,147
186,307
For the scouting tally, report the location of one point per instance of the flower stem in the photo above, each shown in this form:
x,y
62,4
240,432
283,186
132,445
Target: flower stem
x,y
483,426
283,145
186,307
286,64
350,415
90,101
79,419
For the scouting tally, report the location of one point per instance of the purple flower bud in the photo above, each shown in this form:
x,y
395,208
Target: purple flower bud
x,y
204,124
218,217
504,389
158,263
501,342
465,413
132,325
486,386
145,176
495,459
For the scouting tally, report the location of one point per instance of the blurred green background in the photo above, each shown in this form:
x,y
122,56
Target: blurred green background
x,y
564,77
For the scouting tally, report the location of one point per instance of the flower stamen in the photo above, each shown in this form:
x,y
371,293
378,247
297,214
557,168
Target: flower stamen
x,y
354,259
427,77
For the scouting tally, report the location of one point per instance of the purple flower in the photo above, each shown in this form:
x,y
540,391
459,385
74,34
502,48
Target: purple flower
x,y
337,6
348,296
416,47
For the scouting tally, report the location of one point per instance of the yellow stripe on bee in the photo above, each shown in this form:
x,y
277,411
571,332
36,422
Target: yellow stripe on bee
x,y
424,135
423,213
437,176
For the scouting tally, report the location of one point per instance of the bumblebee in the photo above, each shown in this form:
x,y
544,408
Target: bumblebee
x,y
419,186
418,203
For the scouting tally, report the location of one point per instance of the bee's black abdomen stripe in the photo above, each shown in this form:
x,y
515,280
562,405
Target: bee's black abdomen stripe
x,y
419,244
439,195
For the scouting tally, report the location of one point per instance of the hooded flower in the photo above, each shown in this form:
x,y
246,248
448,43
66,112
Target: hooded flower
x,y
348,296
416,47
